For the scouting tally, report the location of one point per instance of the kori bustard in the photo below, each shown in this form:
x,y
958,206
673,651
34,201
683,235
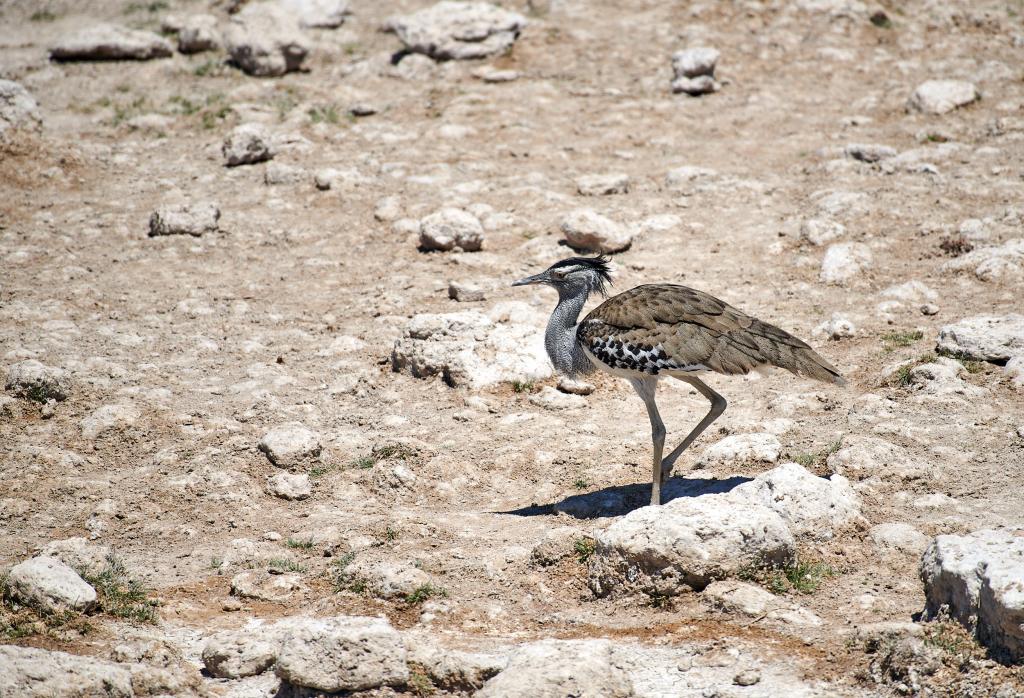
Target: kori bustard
x,y
658,330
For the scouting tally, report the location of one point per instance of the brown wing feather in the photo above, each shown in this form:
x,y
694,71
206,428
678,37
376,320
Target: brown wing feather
x,y
696,328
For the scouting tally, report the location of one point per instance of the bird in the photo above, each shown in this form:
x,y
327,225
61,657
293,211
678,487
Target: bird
x,y
657,330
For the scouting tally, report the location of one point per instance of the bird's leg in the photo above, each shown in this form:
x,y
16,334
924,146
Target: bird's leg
x,y
646,388
718,405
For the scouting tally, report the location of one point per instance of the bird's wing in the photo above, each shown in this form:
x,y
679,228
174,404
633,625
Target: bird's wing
x,y
695,329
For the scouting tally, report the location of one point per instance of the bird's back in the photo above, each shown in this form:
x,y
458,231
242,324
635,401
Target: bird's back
x,y
669,328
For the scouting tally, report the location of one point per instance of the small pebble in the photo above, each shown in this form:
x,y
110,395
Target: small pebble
x,y
929,309
231,604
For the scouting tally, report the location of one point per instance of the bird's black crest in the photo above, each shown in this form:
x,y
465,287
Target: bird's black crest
x,y
599,264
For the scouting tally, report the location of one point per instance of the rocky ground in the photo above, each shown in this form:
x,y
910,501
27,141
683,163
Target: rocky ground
x,y
276,424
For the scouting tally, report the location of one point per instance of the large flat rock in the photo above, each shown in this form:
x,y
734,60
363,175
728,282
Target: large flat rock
x,y
979,579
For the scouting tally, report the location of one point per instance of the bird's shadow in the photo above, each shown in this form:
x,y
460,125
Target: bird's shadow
x,y
622,499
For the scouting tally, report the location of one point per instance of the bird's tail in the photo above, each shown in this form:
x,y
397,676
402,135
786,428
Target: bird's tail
x,y
783,350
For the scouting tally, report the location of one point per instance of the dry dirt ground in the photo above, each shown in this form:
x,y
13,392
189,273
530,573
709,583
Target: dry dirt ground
x,y
218,338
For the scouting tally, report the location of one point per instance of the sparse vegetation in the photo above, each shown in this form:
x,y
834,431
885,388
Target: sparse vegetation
x,y
581,483
903,338
216,563
296,544
151,7
284,565
392,451
522,386
327,114
419,681
811,460
120,595
584,548
423,593
42,16
804,577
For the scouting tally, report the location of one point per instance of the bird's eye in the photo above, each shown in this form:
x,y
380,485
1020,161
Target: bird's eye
x,y
559,274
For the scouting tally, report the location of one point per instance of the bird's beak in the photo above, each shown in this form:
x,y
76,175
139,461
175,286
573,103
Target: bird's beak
x,y
535,279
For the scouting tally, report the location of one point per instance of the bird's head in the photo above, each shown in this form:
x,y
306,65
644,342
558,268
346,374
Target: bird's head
x,y
574,275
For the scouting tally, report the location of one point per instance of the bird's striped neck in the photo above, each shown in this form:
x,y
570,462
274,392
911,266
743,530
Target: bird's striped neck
x,y
560,340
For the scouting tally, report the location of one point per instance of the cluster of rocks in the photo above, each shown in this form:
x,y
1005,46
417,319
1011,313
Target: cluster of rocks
x,y
458,30
291,446
264,39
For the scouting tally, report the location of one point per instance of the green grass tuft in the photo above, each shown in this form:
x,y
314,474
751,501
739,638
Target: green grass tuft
x,y
423,593
281,564
296,544
584,548
903,338
522,386
120,595
327,114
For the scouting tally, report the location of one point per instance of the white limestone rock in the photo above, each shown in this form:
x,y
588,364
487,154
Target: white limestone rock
x,y
1015,370
37,381
552,399
992,263
585,229
198,33
996,338
602,184
318,14
837,327
898,536
345,653
942,96
451,229
388,580
581,668
247,144
977,577
290,486
110,42
452,670
19,110
813,507
265,40
465,293
574,386
844,262
109,417
862,457
49,585
35,673
278,173
739,448
687,544
459,30
186,219
237,654
694,71
264,586
79,554
470,349
818,231
942,377
291,444
755,602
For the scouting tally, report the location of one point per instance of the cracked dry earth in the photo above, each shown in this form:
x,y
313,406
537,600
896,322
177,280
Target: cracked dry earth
x,y
289,313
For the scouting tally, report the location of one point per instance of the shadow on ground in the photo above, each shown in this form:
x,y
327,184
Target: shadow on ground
x,y
622,499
